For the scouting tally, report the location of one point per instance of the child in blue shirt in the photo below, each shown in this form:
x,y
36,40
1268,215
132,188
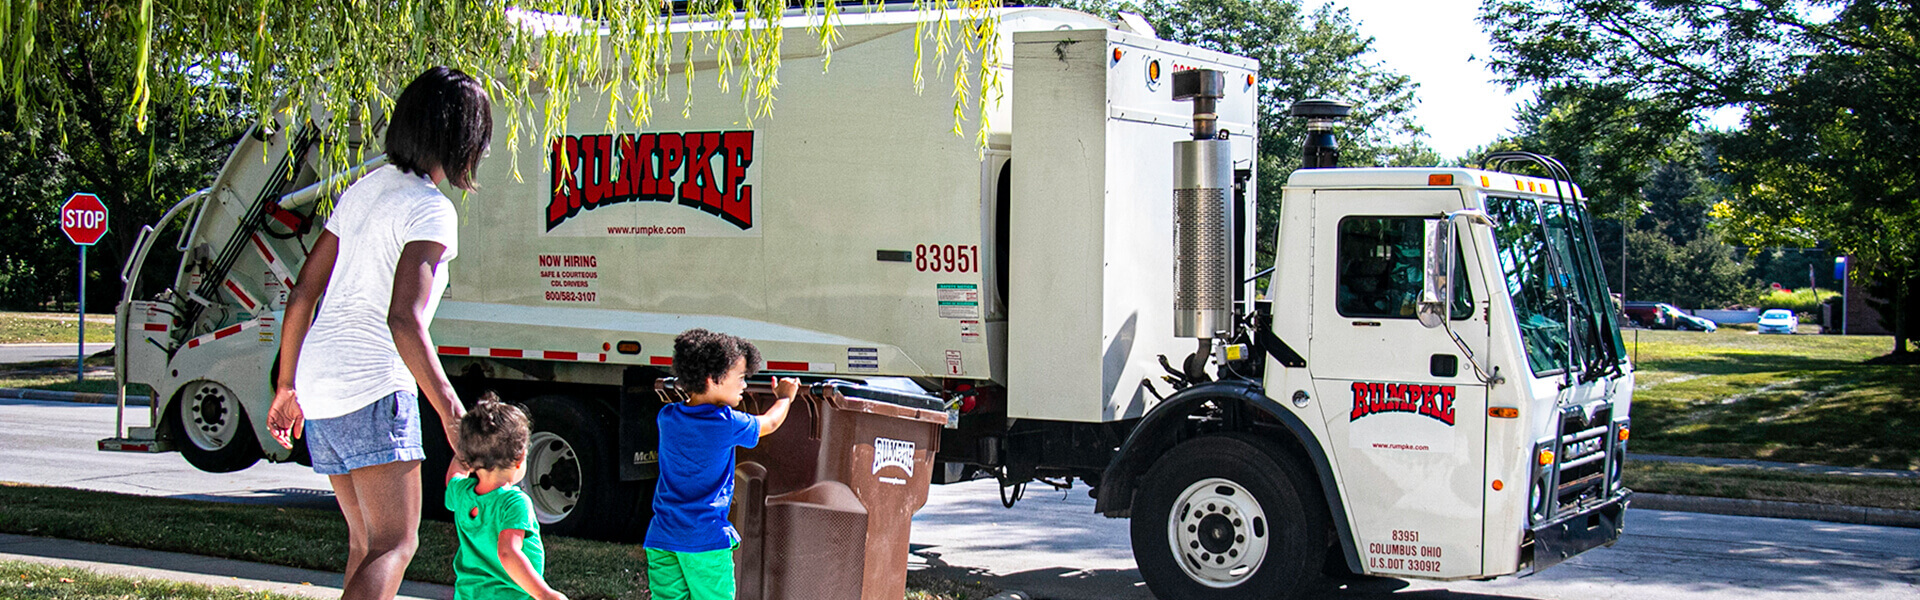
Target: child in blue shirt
x,y
690,542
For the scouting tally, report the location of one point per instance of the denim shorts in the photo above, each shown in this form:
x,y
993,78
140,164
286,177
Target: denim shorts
x,y
383,432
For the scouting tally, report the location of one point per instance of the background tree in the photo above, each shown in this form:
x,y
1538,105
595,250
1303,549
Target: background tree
x,y
1673,254
1646,175
1831,89
92,144
1303,54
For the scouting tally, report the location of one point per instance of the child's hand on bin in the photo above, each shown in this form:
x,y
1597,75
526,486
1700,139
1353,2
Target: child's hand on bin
x,y
784,389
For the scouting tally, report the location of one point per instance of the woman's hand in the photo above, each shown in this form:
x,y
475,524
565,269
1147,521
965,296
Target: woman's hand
x,y
285,419
452,431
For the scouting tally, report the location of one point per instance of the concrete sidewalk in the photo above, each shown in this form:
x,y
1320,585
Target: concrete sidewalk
x,y
130,562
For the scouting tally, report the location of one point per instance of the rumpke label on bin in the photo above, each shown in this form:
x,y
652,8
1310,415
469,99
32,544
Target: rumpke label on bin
x,y
888,452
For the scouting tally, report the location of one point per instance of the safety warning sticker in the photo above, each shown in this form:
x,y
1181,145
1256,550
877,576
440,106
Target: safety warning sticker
x,y
958,300
970,331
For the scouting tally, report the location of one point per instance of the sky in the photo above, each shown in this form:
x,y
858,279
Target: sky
x,y
1440,45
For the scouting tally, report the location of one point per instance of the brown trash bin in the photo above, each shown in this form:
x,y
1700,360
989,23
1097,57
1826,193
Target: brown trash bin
x,y
825,505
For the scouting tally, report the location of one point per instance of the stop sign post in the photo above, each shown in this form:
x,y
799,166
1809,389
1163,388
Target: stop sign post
x,y
84,219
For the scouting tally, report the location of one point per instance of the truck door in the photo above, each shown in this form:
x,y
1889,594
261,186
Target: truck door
x,y
1403,408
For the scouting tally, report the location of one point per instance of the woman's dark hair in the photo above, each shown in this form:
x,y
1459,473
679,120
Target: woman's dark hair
x,y
493,435
700,355
443,119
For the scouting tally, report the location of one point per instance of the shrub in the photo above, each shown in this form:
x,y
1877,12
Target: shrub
x,y
1802,301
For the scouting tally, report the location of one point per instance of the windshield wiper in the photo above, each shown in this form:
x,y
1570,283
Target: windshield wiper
x,y
1594,326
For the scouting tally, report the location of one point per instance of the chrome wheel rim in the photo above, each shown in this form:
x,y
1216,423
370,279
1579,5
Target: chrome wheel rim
x,y
1218,533
553,477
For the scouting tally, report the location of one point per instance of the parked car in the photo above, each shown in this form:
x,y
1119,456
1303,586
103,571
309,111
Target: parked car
x,y
1686,321
1779,320
1643,314
1660,315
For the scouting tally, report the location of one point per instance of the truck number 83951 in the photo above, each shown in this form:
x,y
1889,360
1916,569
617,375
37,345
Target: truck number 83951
x,y
946,258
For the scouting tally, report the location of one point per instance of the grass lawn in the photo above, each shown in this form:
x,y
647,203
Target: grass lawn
x,y
1756,484
316,539
64,382
58,375
1790,398
29,581
27,327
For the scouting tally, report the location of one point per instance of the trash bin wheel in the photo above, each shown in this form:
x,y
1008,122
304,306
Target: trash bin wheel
x,y
1227,516
571,478
212,429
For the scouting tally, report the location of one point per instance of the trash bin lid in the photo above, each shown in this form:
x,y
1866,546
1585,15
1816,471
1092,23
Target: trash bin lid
x,y
896,397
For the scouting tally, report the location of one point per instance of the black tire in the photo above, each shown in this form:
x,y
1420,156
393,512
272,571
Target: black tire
x,y
212,430
1288,521
575,447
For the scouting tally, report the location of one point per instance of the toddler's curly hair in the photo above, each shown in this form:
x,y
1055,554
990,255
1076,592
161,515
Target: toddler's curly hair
x,y
493,435
700,355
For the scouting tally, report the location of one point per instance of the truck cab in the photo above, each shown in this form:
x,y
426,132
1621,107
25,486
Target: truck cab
x,y
1435,362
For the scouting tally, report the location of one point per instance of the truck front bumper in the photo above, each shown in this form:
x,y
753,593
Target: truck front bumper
x,y
1579,532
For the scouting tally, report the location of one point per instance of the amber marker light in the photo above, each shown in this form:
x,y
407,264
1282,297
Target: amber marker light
x,y
1484,183
1116,55
1546,457
1499,485
1249,80
1440,179
1153,70
1623,433
1503,412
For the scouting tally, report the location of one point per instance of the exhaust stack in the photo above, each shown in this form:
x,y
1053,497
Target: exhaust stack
x,y
1202,194
1320,150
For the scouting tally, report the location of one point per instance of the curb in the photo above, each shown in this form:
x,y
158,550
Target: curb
x,y
79,397
1857,515
120,561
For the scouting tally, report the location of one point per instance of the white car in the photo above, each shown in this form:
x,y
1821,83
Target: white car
x,y
1779,320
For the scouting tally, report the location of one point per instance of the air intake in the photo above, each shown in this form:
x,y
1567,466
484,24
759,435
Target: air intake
x,y
1320,150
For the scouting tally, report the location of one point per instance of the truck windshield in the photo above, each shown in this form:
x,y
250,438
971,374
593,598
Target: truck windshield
x,y
1548,260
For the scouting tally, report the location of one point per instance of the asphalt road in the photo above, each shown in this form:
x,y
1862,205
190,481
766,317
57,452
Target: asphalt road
x,y
1053,546
22,353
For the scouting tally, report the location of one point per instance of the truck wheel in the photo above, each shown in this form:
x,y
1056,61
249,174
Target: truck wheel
x,y
571,478
1219,517
212,429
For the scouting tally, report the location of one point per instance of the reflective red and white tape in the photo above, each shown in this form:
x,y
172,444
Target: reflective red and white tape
x,y
518,353
227,331
274,263
772,365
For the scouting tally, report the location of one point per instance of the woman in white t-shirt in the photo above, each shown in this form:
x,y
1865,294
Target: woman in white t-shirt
x,y
347,377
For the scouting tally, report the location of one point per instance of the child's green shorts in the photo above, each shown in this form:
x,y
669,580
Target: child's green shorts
x,y
690,575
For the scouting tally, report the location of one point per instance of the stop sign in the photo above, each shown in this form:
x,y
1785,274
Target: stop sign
x,y
83,218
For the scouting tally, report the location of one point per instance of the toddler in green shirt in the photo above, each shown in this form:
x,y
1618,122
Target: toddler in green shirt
x,y
500,554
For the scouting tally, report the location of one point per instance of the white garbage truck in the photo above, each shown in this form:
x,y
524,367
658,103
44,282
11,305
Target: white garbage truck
x,y
1430,382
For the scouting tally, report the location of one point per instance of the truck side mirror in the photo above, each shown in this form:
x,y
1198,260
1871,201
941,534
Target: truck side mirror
x,y
1436,290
